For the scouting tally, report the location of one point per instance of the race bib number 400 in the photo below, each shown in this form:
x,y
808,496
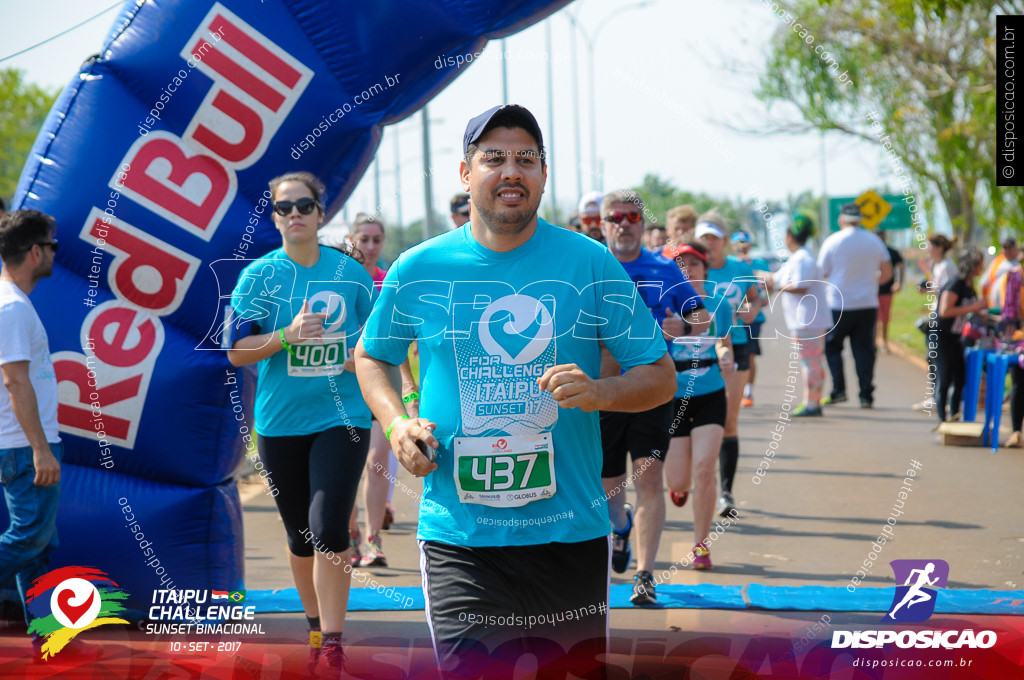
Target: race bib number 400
x,y
504,472
317,357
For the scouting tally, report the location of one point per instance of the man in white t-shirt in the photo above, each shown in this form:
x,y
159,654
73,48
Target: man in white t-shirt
x,y
30,447
855,262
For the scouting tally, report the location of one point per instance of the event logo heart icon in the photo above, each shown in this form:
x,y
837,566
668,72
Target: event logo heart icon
x,y
523,313
73,612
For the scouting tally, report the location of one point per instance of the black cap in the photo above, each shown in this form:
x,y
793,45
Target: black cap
x,y
850,210
460,203
509,115
1009,242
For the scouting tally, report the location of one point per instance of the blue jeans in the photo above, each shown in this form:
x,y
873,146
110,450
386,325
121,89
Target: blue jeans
x,y
26,545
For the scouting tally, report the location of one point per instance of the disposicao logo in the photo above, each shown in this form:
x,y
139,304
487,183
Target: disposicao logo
x,y
69,600
914,602
919,578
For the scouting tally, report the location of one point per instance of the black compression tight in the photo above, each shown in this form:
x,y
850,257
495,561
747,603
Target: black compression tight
x,y
317,476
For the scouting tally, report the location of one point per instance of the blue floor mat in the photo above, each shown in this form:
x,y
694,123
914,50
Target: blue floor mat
x,y
705,596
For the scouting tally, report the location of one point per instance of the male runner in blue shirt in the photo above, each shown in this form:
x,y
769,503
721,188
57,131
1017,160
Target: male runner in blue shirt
x,y
643,434
513,527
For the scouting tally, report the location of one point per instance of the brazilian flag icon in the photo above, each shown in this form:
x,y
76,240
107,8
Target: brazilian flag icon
x,y
237,596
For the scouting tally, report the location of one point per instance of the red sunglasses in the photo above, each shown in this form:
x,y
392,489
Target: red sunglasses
x,y
616,217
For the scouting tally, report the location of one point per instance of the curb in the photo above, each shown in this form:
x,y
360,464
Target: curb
x,y
902,352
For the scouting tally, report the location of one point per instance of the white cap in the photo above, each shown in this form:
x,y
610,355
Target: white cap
x,y
705,228
591,202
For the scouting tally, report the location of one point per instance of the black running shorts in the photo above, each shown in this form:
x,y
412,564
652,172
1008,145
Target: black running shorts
x,y
755,338
491,605
742,355
643,435
703,409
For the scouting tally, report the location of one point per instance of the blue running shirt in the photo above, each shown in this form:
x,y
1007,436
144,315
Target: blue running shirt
x,y
661,284
731,281
318,394
489,324
707,379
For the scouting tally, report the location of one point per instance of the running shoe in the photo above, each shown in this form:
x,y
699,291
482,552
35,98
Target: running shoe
x,y
834,399
701,557
621,552
804,411
315,648
643,589
334,655
726,505
679,497
389,517
866,403
748,402
373,554
354,539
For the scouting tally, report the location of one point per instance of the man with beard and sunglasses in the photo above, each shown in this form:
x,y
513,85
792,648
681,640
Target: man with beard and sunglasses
x,y
643,434
513,525
30,445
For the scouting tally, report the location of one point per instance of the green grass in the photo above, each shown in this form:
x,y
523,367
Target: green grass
x,y
907,306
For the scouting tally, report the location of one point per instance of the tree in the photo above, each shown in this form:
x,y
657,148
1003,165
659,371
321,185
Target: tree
x,y
925,70
659,196
23,108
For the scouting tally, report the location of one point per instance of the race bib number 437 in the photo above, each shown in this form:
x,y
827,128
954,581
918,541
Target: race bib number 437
x,y
504,472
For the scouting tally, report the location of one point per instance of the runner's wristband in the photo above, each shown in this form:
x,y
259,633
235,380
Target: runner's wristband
x,y
412,396
284,343
387,435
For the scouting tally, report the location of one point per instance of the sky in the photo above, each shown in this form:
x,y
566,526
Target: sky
x,y
672,77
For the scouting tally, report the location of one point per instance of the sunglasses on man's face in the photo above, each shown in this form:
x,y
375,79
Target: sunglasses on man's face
x,y
594,219
305,206
52,244
617,217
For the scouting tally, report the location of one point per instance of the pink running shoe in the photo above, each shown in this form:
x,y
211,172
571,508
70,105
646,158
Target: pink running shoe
x,y
701,557
354,537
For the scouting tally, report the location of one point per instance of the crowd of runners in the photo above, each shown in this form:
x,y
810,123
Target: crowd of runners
x,y
556,366
642,346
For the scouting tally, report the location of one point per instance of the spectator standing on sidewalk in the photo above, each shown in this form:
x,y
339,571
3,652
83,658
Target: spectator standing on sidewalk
x,y
887,290
30,445
805,308
958,299
855,262
1000,264
940,269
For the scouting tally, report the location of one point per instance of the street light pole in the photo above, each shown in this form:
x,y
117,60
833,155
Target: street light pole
x,y
504,74
576,109
590,43
428,189
553,213
398,180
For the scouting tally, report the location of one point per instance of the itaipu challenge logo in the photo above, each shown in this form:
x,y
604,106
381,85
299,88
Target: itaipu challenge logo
x,y
69,600
914,601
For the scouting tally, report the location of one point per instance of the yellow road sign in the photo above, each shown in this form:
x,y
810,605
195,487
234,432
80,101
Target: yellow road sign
x,y
873,209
